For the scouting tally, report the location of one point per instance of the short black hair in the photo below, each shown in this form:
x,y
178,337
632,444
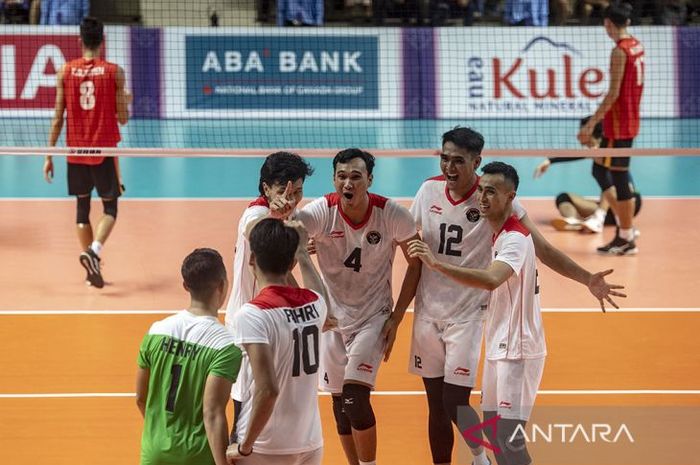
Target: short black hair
x,y
202,271
619,13
597,130
274,246
465,138
91,32
281,168
346,155
508,172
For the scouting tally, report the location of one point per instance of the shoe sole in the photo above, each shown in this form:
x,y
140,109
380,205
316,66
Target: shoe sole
x,y
93,273
619,253
561,224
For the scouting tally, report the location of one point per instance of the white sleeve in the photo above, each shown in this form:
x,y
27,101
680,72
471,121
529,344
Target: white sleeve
x,y
314,216
518,209
249,326
401,222
512,251
417,207
249,215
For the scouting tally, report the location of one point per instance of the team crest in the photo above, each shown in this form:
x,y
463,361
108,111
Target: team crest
x,y
373,237
473,215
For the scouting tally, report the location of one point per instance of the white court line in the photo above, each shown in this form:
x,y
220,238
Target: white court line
x,y
410,310
544,392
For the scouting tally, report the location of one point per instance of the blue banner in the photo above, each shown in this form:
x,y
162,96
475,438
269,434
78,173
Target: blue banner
x,y
305,72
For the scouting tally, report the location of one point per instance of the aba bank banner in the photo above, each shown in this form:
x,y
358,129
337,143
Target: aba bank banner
x,y
277,73
545,72
30,58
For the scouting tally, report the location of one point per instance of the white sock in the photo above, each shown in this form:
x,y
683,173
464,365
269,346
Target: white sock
x,y
600,214
627,234
373,462
96,247
481,459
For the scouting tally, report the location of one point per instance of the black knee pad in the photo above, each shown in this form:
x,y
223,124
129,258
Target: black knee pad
x,y
511,440
83,211
110,207
456,400
638,203
562,198
454,397
342,422
357,407
621,181
602,176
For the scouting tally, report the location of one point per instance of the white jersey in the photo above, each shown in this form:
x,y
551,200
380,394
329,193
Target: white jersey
x,y
355,259
514,329
457,234
290,321
244,288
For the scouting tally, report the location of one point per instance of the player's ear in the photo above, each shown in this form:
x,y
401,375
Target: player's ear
x,y
251,261
266,189
477,162
370,179
294,263
185,287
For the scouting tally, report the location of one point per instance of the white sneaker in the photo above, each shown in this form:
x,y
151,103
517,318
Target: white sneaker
x,y
592,224
566,224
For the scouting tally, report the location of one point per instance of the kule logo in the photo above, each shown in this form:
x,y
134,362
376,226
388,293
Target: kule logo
x,y
373,237
473,215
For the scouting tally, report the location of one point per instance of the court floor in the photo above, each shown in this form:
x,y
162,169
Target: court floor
x,y
68,352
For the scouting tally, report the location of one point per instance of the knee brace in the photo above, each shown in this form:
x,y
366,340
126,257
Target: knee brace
x,y
342,422
562,198
512,442
621,181
357,407
602,176
463,415
83,211
440,433
110,207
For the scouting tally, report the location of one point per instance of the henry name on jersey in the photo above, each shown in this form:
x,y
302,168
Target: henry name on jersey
x,y
179,348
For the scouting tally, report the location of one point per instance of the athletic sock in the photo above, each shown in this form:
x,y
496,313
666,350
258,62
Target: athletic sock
x,y
627,234
600,214
373,462
96,247
481,459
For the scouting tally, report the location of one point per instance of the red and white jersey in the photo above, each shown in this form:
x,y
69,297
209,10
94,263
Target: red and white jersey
x,y
514,329
457,234
622,120
244,288
290,321
90,91
355,259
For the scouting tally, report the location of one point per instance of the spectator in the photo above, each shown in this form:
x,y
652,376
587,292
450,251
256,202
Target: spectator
x,y
526,12
63,12
300,13
14,11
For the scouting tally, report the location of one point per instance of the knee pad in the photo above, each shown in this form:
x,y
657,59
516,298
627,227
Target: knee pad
x,y
637,203
463,415
342,422
512,441
621,181
357,407
454,397
562,198
110,207
602,176
83,211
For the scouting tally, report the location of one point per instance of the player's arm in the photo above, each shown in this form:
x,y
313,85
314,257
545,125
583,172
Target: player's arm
x,y
142,377
565,266
56,122
490,278
217,391
618,58
406,295
265,395
123,97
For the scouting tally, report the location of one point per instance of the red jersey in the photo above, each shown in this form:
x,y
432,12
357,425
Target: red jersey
x,y
90,90
622,120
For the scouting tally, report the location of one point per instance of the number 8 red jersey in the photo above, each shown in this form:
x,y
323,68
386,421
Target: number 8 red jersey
x,y
90,90
622,120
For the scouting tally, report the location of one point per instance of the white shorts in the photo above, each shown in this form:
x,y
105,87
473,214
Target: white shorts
x,y
305,458
451,350
355,356
510,387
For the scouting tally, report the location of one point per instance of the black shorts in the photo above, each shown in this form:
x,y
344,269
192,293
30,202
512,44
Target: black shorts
x,y
616,162
103,177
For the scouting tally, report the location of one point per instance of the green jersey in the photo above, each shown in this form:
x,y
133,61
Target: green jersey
x,y
181,351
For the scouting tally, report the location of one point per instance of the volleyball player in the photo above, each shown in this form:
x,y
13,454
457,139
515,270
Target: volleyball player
x,y
92,93
619,112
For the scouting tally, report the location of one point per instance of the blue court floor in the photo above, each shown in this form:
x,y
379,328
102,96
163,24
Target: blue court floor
x,y
21,177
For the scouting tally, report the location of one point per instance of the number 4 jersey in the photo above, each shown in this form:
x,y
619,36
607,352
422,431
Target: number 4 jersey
x,y
180,352
289,320
355,259
457,234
